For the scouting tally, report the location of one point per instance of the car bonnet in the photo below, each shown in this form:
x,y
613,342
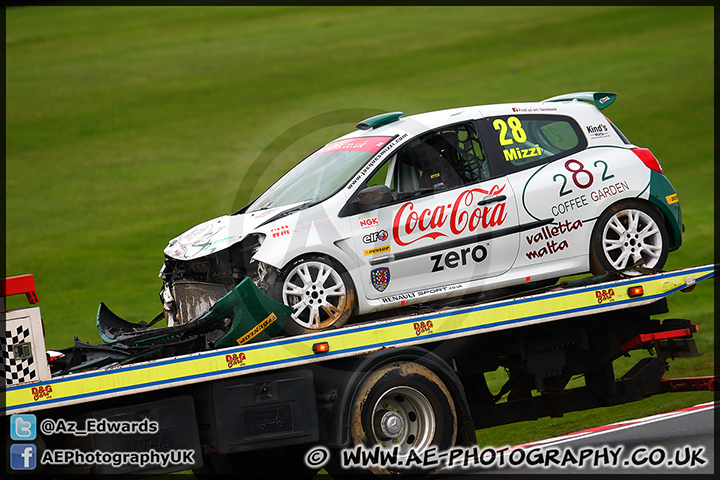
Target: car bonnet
x,y
218,234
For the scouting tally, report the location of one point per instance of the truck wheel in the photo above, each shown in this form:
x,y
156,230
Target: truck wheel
x,y
626,233
321,294
403,407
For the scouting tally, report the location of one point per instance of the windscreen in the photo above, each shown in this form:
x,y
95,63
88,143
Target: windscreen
x,y
321,174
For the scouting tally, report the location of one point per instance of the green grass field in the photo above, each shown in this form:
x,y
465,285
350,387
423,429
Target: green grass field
x,y
126,126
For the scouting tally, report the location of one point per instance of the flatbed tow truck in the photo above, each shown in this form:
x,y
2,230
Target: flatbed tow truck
x,y
402,383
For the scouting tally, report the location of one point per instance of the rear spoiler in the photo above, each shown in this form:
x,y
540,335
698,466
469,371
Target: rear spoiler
x,y
600,99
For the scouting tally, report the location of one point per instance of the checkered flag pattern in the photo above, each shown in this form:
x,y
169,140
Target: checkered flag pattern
x,y
17,370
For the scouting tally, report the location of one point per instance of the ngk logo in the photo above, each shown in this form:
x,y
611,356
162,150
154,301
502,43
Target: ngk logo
x,y
369,223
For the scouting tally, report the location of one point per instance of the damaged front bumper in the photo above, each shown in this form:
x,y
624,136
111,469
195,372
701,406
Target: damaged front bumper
x,y
243,315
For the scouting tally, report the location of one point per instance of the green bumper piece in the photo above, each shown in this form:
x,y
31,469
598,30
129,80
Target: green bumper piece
x,y
664,196
255,316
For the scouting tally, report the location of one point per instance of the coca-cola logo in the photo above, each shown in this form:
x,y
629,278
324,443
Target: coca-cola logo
x,y
411,225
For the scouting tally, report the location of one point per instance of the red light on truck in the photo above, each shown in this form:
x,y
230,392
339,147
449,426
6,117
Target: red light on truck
x,y
635,291
322,347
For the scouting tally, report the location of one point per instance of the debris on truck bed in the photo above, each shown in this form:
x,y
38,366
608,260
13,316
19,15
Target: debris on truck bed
x,y
243,315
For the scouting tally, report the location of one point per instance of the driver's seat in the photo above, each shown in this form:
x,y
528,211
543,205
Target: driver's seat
x,y
432,160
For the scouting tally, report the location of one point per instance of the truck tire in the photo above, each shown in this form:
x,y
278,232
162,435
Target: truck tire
x,y
402,405
321,293
626,233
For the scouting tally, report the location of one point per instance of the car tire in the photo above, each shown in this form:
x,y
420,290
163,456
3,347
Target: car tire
x,y
321,293
404,407
626,233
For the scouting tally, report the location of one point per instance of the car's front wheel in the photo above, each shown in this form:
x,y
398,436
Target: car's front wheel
x,y
627,233
321,294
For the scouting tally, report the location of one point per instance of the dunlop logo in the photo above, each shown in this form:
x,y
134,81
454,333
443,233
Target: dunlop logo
x,y
259,328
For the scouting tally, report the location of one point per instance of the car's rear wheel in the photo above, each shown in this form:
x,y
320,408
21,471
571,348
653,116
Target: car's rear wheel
x,y
321,294
627,233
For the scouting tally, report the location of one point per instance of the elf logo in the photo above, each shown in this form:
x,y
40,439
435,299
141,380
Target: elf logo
x,y
379,236
456,259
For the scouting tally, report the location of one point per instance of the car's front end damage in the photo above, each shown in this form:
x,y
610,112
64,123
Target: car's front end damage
x,y
210,300
209,260
191,287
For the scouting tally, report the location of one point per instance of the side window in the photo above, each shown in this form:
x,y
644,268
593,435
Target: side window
x,y
527,140
444,159
380,177
447,158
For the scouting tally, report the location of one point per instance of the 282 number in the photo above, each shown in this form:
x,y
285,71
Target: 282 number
x,y
581,177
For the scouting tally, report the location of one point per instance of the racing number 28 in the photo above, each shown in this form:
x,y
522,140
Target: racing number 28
x,y
581,177
517,133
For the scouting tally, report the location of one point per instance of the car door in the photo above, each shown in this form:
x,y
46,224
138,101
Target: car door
x,y
544,159
445,221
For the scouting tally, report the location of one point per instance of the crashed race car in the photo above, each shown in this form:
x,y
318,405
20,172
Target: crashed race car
x,y
446,204
456,205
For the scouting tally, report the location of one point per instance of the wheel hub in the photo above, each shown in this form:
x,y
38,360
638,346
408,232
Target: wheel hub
x,y
403,416
391,424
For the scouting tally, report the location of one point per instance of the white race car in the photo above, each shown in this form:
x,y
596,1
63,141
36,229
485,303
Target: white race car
x,y
409,210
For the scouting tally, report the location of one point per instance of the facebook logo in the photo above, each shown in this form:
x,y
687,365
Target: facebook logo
x,y
23,456
23,427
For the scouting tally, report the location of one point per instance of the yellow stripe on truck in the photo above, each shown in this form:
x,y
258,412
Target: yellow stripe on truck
x,y
351,340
